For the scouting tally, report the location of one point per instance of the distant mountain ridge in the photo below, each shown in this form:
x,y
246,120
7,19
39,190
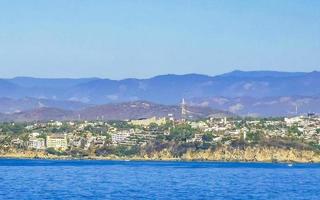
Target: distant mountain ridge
x,y
260,74
165,89
262,107
30,82
120,111
9,105
24,93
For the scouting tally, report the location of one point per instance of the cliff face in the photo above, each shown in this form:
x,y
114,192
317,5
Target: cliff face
x,y
29,154
249,154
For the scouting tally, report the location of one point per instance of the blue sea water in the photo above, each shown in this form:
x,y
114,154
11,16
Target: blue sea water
x,y
52,179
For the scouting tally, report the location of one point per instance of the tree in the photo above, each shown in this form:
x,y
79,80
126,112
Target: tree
x,y
121,124
153,126
54,152
254,136
181,133
207,137
122,150
294,130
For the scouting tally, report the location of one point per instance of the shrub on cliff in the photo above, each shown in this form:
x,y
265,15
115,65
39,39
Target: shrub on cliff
x,y
181,133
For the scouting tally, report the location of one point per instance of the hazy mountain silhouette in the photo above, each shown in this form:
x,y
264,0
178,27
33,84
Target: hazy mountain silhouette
x,y
165,89
120,111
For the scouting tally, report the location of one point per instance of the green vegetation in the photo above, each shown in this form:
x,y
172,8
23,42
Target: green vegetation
x,y
122,139
254,137
294,130
120,150
55,152
207,137
12,128
181,133
121,124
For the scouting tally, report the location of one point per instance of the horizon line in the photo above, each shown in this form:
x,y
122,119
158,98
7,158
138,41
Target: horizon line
x,y
154,76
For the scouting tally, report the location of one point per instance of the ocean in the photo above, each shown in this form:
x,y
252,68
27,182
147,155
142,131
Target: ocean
x,y
88,179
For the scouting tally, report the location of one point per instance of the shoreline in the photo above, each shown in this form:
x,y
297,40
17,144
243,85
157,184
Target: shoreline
x,y
122,159
246,155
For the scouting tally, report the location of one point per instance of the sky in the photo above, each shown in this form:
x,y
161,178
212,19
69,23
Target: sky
x,y
132,38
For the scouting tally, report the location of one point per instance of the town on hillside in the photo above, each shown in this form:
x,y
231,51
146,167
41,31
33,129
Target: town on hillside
x,y
131,137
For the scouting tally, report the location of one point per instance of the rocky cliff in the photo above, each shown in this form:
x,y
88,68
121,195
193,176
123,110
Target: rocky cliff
x,y
249,154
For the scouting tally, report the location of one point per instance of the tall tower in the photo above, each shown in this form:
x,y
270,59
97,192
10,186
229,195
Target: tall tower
x,y
183,109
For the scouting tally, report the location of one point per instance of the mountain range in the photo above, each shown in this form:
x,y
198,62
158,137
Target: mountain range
x,y
258,93
119,111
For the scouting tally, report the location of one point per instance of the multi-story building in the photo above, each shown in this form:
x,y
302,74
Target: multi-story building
x,y
148,121
120,136
36,143
57,141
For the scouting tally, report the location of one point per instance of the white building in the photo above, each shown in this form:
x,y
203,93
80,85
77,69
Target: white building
x,y
36,143
57,141
293,120
120,136
34,135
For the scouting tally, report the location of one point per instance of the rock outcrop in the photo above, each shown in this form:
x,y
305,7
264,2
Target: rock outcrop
x,y
248,154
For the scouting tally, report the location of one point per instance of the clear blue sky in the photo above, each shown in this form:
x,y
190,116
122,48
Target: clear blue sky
x,y
119,38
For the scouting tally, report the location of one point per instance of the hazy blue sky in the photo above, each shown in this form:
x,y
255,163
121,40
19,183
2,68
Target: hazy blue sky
x,y
117,39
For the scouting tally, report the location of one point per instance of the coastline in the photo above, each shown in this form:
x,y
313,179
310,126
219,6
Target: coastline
x,y
248,155
146,160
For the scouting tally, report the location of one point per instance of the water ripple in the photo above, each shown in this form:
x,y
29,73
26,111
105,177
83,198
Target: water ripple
x,y
40,179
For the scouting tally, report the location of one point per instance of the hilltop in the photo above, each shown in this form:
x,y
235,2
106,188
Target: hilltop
x,y
258,93
117,111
